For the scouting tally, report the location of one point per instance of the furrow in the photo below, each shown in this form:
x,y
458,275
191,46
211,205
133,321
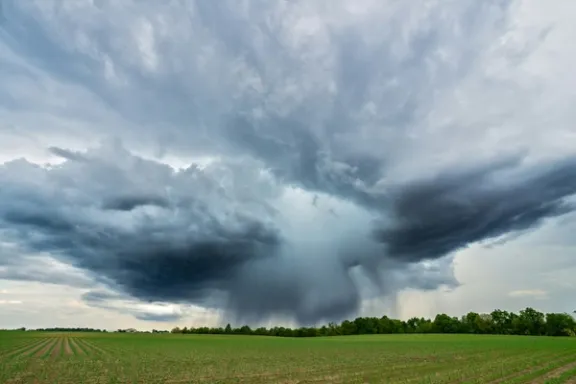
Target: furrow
x,y
46,349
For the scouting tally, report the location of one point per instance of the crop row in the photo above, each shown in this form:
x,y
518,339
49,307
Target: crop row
x,y
68,359
52,347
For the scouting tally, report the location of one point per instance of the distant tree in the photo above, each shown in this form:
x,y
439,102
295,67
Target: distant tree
x,y
446,324
560,324
385,325
334,329
485,324
527,322
262,331
502,322
530,322
476,323
348,327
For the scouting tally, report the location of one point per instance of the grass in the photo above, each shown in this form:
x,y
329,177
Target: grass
x,y
30,357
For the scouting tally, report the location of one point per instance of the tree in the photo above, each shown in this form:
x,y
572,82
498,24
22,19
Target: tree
x,y
366,325
530,322
385,325
560,324
334,329
446,324
348,327
245,330
502,322
527,322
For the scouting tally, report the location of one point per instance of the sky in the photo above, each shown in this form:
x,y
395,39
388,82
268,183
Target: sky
x,y
288,162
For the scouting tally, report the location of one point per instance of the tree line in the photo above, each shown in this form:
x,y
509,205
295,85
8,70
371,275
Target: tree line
x,y
527,322
83,330
61,329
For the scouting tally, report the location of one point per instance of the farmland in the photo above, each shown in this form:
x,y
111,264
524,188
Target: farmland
x,y
72,358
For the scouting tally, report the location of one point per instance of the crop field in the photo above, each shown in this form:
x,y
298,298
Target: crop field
x,y
31,357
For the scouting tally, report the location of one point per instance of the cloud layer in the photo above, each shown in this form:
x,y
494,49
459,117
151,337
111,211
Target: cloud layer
x,y
327,152
223,236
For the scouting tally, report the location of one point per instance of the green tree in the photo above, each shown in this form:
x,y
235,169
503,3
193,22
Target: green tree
x,y
560,324
348,327
502,322
529,322
385,325
245,330
446,324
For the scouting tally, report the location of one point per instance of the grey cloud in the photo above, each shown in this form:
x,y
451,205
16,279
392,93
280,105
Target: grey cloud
x,y
67,154
187,249
37,271
122,304
334,101
442,214
16,263
128,203
99,296
249,57
146,316
211,241
297,156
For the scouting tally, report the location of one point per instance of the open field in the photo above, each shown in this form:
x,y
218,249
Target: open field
x,y
30,357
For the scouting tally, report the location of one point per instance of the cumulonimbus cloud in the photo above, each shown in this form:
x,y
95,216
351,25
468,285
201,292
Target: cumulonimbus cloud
x,y
222,247
345,144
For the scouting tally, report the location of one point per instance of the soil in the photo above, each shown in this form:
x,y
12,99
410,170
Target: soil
x,y
57,348
67,349
554,373
76,345
46,348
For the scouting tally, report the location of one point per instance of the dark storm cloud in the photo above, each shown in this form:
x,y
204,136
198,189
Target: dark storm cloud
x,y
211,241
285,94
152,261
437,216
207,245
172,247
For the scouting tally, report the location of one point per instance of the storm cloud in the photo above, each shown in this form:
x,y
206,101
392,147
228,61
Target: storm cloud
x,y
221,247
437,216
269,159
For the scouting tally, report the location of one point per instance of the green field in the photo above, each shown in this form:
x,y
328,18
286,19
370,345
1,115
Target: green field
x,y
72,358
